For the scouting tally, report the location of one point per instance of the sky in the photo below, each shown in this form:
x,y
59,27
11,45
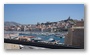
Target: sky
x,y
33,13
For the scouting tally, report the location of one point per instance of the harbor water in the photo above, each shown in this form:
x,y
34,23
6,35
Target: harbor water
x,y
44,37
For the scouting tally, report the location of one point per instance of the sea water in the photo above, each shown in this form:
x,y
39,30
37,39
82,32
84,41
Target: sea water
x,y
45,37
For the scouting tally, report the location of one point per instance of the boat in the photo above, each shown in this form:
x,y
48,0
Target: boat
x,y
51,40
37,39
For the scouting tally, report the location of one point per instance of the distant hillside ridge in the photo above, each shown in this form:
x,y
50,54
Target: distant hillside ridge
x,y
7,23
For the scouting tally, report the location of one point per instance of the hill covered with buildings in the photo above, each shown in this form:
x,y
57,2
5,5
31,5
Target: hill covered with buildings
x,y
57,26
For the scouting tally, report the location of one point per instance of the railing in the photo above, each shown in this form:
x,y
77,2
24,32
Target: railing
x,y
38,44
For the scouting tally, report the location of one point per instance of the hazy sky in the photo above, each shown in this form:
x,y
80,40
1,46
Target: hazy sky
x,y
33,13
